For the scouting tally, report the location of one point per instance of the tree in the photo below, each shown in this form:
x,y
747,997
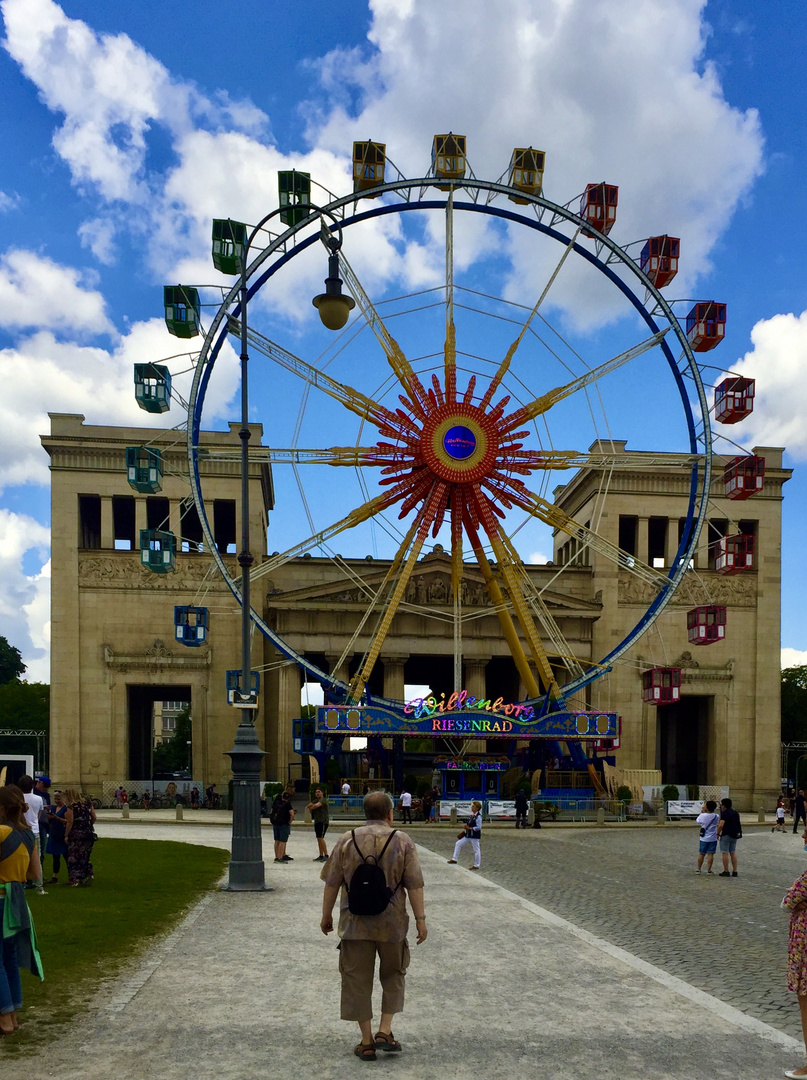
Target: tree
x,y
174,754
23,706
794,704
11,665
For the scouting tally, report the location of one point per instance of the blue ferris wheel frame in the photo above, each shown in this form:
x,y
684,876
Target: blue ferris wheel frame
x,y
702,466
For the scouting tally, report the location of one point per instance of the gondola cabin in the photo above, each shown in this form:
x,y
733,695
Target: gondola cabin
x,y
229,245
234,686
152,387
734,399
734,554
448,156
369,163
158,550
706,624
144,469
190,625
294,196
526,173
661,685
706,325
598,208
744,476
181,304
659,260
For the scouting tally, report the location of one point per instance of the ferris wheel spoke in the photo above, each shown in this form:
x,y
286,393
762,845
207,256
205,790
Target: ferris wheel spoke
x,y
363,406
418,396
425,518
450,347
505,364
545,402
356,517
382,454
500,607
507,569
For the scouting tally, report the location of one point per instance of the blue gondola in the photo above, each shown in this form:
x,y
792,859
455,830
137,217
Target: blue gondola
x,y
234,683
144,469
158,550
190,625
152,387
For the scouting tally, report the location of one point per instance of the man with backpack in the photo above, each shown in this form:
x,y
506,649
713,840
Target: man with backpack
x,y
376,867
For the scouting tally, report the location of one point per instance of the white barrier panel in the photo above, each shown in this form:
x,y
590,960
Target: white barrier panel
x,y
506,809
684,807
463,808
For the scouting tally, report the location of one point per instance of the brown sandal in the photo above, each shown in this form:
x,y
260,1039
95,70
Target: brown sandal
x,y
386,1041
366,1053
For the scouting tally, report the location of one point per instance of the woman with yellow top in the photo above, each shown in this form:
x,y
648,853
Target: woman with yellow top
x,y
19,860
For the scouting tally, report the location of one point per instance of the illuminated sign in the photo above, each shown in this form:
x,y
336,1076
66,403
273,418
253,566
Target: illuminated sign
x,y
495,723
430,706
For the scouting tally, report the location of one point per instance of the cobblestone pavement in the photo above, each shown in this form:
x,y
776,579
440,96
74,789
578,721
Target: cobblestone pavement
x,y
637,889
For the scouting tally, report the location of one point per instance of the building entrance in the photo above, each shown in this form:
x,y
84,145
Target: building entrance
x,y
683,740
141,723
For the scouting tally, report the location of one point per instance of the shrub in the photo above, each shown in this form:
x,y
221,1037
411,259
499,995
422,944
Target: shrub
x,y
669,791
624,793
424,784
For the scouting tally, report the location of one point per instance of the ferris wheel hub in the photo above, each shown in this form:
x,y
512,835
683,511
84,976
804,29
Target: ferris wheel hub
x,y
459,443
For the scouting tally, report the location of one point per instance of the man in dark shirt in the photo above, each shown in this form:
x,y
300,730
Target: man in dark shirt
x,y
522,804
729,832
282,815
799,811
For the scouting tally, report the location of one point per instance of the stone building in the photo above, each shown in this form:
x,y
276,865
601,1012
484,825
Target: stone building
x,y
114,653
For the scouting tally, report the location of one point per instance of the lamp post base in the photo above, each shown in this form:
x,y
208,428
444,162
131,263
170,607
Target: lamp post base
x,y
247,870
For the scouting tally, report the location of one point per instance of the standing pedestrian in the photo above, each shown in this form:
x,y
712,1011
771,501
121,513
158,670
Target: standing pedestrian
x,y
795,901
406,806
80,836
729,831
319,815
281,817
19,859
42,789
780,816
345,793
34,814
471,834
799,810
707,822
522,804
57,845
435,802
426,804
364,936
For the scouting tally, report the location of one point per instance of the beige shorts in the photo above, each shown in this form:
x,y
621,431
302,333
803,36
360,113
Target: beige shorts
x,y
357,968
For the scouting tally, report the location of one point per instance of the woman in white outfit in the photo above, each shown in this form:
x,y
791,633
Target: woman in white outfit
x,y
473,833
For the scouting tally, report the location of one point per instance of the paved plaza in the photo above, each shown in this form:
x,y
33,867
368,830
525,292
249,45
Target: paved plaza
x,y
577,952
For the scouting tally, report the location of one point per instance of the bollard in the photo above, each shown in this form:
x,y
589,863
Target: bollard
x,y
180,812
761,815
531,815
601,816
661,816
437,818
453,818
307,819
125,811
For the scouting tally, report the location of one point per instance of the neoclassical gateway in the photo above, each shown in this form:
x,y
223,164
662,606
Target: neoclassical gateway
x,y
116,649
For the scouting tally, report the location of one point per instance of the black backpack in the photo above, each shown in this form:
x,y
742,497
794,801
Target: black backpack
x,y
273,813
368,892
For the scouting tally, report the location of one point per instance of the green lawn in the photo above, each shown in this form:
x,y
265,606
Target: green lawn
x,y
141,890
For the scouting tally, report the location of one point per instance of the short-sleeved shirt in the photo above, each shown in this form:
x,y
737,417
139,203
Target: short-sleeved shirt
x,y
345,789
731,823
401,868
708,822
320,813
406,798
283,812
15,867
35,805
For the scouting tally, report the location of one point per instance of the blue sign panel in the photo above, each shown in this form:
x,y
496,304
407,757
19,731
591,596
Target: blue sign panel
x,y
520,723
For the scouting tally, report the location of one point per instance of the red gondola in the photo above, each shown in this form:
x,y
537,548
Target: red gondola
x,y
706,325
734,554
744,476
660,259
734,400
598,207
706,624
661,685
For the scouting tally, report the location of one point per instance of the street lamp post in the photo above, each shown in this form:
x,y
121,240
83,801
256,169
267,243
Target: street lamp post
x,y
247,870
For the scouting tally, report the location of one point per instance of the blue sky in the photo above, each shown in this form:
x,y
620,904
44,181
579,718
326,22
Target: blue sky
x,y
125,129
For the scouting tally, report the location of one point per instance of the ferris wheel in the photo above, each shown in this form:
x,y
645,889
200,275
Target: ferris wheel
x,y
448,413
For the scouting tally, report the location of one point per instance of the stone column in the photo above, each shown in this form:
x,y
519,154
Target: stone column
x,y
339,672
288,707
672,541
474,680
642,539
174,520
107,524
141,519
394,677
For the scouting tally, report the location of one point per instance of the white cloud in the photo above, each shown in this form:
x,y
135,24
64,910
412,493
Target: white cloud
x,y
110,92
37,292
42,375
610,91
537,559
99,236
25,600
777,363
8,202
793,658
